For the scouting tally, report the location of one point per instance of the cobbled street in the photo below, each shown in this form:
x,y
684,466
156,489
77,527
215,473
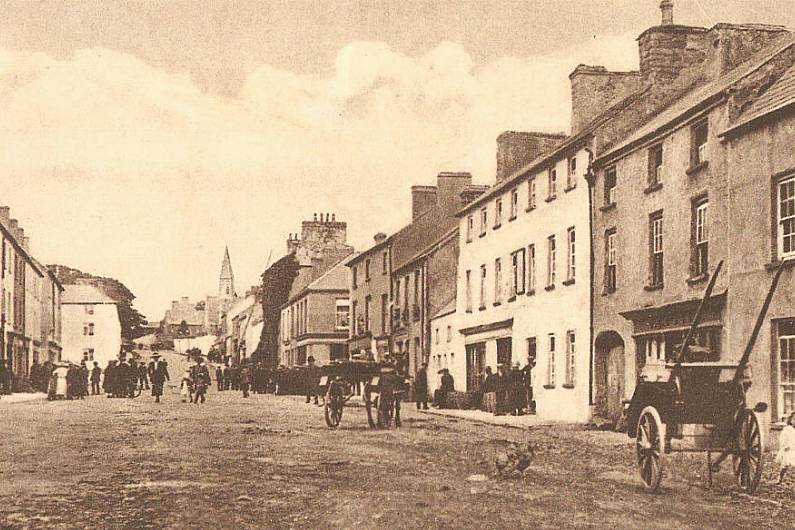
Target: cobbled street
x,y
270,461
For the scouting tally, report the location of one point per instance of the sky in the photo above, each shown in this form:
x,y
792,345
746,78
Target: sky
x,y
138,139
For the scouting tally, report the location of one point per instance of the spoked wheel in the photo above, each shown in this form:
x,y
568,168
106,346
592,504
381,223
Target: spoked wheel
x,y
649,447
385,413
749,452
369,404
137,389
333,412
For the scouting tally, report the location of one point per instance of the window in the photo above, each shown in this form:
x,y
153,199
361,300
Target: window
x,y
449,333
656,249
553,183
504,351
514,203
786,366
436,336
655,165
551,258
700,237
384,263
786,218
354,279
397,292
89,309
531,268
367,304
570,358
518,272
468,293
532,351
551,361
610,186
484,218
88,329
405,298
354,314
384,312
367,270
610,261
88,354
531,193
571,176
570,265
698,144
470,227
497,213
482,302
341,318
497,281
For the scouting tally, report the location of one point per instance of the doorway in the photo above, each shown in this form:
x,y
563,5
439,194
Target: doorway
x,y
609,376
476,362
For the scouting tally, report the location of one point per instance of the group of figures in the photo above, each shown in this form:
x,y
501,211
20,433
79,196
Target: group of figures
x,y
512,389
247,376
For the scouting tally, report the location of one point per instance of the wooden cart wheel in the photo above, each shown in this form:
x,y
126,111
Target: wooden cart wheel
x,y
369,404
385,416
749,452
333,412
649,447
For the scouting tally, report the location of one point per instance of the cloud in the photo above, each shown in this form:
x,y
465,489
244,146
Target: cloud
x,y
124,169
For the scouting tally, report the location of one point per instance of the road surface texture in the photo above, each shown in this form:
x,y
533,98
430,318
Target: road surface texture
x,y
270,462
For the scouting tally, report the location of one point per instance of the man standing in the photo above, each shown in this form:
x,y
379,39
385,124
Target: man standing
x,y
421,387
312,379
96,372
245,379
201,380
219,378
159,376
143,376
527,376
447,385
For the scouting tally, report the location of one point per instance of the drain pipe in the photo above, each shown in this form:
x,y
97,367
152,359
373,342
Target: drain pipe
x,y
590,177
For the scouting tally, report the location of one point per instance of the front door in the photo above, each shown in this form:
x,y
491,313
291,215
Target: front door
x,y
476,362
609,376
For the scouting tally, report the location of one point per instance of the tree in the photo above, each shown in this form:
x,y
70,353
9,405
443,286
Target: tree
x,y
277,281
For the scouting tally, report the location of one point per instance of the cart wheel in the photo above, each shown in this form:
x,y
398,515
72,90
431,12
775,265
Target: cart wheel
x,y
749,452
333,412
369,404
137,391
649,448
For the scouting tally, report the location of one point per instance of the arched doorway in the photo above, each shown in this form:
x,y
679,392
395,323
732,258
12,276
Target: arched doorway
x,y
609,375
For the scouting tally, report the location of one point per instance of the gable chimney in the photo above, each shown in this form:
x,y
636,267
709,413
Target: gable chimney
x,y
423,198
516,149
594,89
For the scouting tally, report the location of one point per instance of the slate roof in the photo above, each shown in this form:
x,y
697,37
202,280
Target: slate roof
x,y
420,234
698,97
445,310
336,278
777,97
84,294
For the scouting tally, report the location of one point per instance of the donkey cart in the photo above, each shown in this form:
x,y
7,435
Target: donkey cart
x,y
709,394
383,389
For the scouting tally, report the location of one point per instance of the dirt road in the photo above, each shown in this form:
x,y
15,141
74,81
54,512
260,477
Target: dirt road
x,y
270,462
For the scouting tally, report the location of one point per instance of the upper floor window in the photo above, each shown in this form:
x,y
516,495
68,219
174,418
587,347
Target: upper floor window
x,y
468,291
570,265
367,307
354,279
786,218
531,193
384,263
698,143
482,299
531,268
571,176
610,186
484,219
497,213
700,237
367,270
449,333
610,261
497,281
342,315
553,183
655,165
514,202
470,227
397,291
551,259
518,272
656,249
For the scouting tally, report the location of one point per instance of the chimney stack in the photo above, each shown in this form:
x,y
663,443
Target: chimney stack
x,y
379,237
515,149
423,198
667,8
5,214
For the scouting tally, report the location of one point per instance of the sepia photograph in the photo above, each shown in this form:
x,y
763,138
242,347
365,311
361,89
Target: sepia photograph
x,y
397,264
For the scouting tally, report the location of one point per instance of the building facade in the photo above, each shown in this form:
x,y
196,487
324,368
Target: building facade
x,y
91,327
369,286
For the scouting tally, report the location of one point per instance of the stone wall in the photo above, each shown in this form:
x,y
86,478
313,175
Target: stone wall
x,y
516,149
594,89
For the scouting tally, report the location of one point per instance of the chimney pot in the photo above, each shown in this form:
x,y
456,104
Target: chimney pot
x,y
333,217
667,8
315,217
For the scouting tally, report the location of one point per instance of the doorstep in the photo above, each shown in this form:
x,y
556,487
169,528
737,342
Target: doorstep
x,y
518,422
22,397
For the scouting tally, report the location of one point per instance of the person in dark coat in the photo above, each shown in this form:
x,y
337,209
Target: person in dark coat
x,y
159,376
527,379
219,378
447,385
84,374
201,380
227,377
96,373
501,389
143,376
312,379
245,379
421,387
108,382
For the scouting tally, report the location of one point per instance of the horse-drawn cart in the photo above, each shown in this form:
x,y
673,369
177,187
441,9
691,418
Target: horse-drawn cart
x,y
710,394
382,391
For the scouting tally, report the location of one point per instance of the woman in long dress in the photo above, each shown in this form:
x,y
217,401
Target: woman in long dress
x,y
60,383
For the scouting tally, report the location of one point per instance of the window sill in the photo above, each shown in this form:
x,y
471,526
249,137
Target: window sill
x,y
548,387
693,280
495,227
469,240
607,292
495,304
468,311
482,234
655,287
570,281
653,187
512,218
531,292
607,207
482,308
549,288
569,188
568,385
789,261
529,208
698,168
551,198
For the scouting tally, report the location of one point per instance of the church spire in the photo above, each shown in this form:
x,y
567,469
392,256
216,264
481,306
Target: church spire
x,y
226,283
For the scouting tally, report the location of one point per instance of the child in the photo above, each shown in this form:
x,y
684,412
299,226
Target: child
x,y
786,447
185,387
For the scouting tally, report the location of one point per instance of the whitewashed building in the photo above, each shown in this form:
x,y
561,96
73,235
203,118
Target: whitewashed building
x,y
445,345
91,330
524,280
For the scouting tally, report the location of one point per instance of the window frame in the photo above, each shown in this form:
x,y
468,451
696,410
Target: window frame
x,y
571,241
514,204
497,212
552,183
518,271
781,221
698,151
656,249
656,161
497,281
531,268
468,291
784,388
611,261
700,236
470,227
551,261
531,193
482,292
551,352
484,221
611,175
571,364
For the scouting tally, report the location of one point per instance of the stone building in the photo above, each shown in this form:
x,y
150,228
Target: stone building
x,y
91,327
660,199
369,286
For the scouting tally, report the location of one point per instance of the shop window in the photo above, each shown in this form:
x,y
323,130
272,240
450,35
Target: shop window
x,y
504,353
